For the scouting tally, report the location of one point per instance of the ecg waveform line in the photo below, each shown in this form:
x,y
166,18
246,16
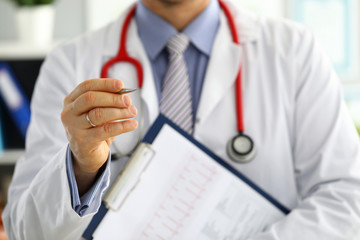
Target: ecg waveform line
x,y
183,196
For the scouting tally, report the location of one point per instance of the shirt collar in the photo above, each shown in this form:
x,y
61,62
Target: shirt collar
x,y
156,32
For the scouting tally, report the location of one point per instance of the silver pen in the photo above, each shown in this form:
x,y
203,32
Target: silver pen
x,y
126,90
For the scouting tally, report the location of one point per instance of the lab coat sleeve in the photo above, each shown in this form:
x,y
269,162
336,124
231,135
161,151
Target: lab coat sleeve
x,y
39,204
326,155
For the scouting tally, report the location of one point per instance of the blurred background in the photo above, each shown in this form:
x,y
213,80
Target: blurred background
x,y
30,28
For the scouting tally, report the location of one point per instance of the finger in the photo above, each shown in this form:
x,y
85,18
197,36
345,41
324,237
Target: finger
x,y
100,116
112,129
91,100
99,84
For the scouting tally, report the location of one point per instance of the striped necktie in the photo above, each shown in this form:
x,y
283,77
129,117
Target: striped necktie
x,y
175,101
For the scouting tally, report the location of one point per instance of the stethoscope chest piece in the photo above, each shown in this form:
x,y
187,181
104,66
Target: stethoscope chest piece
x,y
241,148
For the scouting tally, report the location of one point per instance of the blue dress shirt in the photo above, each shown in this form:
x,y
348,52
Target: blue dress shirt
x,y
154,33
90,201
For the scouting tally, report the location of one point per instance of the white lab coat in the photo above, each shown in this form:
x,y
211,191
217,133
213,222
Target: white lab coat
x,y
308,154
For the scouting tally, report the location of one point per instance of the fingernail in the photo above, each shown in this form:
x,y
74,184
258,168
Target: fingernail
x,y
126,100
133,110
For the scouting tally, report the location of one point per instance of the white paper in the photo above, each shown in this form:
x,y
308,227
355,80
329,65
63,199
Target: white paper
x,y
184,194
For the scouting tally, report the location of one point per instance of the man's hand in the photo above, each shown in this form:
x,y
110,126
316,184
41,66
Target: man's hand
x,y
90,145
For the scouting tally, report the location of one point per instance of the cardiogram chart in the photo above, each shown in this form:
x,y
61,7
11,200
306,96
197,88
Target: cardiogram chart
x,y
184,195
188,195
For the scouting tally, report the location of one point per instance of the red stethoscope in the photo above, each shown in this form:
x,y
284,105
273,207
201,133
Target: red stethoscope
x,y
240,148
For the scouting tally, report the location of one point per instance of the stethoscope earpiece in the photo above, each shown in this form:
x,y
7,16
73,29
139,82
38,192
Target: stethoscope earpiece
x,y
241,148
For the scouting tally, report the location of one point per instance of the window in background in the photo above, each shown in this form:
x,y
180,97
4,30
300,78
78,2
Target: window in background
x,y
352,97
336,24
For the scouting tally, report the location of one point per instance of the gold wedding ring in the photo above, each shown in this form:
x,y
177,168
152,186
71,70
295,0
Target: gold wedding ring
x,y
89,121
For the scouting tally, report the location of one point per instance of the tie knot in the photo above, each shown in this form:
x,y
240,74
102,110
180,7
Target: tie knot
x,y
178,44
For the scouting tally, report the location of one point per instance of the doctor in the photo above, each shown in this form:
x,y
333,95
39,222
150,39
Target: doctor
x,y
308,153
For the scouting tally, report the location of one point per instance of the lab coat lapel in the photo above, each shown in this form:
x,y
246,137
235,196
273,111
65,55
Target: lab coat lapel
x,y
222,70
148,90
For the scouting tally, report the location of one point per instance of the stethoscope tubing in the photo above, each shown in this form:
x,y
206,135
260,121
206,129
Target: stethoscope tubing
x,y
238,88
123,56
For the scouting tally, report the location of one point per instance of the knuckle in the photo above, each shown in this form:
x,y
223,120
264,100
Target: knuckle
x,y
86,85
108,128
116,100
122,113
98,113
122,127
107,82
90,97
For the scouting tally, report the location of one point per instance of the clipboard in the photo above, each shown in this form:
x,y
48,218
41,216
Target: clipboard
x,y
116,201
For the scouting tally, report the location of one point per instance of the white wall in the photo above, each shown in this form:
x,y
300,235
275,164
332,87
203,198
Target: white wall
x,y
76,16
100,12
69,20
